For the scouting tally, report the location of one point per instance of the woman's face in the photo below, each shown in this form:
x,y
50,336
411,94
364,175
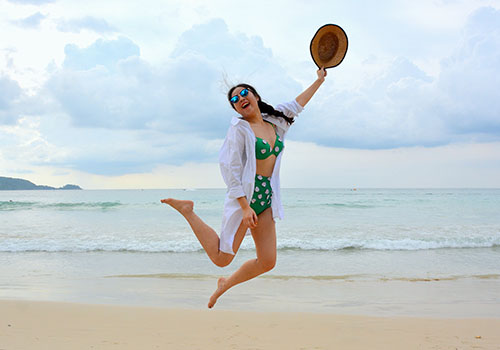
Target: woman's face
x,y
246,105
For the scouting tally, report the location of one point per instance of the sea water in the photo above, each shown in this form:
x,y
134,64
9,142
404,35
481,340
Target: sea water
x,y
54,244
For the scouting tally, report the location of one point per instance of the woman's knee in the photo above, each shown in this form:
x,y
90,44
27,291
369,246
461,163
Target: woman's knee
x,y
223,259
267,263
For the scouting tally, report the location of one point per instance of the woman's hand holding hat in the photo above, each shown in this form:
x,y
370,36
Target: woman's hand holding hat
x,y
321,74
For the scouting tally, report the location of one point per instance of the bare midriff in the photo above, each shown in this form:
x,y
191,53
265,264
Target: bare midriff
x,y
265,167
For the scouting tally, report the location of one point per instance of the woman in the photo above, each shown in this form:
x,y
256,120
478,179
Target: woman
x,y
250,161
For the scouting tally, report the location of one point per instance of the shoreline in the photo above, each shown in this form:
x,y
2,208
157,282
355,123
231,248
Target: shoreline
x,y
59,325
432,299
159,280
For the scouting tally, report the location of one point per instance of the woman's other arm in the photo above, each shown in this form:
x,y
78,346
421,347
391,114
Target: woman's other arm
x,y
308,93
249,217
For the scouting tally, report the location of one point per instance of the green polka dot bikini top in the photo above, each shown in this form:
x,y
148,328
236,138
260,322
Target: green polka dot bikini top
x,y
263,148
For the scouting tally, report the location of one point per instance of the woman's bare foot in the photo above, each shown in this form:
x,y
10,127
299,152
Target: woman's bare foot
x,y
181,206
221,284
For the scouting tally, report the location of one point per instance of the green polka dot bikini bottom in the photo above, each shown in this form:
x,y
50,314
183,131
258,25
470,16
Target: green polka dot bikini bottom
x,y
262,192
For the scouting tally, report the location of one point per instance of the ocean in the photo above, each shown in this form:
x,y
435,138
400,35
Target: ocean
x,y
346,250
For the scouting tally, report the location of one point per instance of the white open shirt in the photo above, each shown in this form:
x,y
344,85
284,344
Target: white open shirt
x,y
238,166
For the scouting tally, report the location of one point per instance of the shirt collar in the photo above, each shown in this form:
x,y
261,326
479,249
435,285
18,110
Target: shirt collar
x,y
237,120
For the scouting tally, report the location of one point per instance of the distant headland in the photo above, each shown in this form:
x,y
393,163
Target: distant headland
x,y
12,184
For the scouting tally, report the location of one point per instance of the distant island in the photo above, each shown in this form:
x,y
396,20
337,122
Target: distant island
x,y
12,184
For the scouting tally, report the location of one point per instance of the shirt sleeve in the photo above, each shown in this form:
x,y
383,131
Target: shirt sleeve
x,y
231,162
290,109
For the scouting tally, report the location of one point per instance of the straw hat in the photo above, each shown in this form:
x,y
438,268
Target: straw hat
x,y
329,46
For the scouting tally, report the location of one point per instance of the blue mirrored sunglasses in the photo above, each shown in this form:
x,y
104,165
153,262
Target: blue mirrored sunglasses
x,y
236,98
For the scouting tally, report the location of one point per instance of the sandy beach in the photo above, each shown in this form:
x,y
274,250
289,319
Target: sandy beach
x,y
54,325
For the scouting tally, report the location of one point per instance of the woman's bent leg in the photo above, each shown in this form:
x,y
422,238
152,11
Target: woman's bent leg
x,y
264,236
206,235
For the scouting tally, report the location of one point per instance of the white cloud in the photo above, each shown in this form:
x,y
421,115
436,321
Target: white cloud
x,y
76,25
10,97
390,110
471,76
33,21
31,2
24,141
179,104
402,106
9,91
105,53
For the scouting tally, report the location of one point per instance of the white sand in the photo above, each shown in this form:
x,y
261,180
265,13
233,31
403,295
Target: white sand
x,y
52,325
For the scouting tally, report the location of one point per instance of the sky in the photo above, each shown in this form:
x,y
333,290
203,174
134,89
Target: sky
x,y
127,95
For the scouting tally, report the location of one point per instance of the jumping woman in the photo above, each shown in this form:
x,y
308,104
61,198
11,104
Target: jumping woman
x,y
250,164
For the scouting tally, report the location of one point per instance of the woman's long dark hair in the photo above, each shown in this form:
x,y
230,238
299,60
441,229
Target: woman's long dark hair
x,y
264,107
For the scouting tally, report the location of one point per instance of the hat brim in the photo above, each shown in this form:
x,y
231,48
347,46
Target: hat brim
x,y
328,46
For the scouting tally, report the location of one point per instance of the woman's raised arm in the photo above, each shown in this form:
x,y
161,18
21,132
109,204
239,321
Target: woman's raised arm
x,y
308,93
